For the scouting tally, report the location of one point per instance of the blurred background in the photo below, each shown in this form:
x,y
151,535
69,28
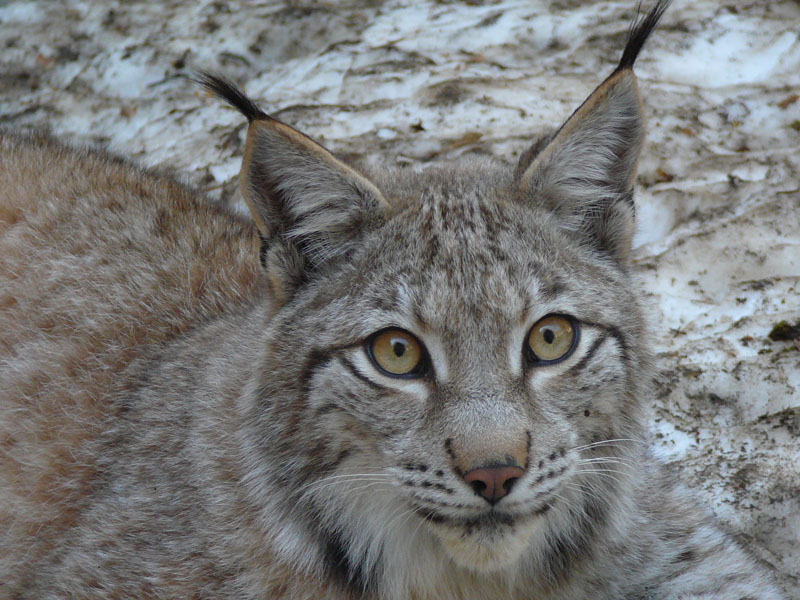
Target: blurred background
x,y
407,83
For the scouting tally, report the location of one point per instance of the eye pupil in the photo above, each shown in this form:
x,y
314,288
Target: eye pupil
x,y
396,353
551,339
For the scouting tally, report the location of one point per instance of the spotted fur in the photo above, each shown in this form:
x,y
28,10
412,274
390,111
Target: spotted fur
x,y
188,407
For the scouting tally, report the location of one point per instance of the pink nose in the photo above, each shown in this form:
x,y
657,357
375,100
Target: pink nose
x,y
493,482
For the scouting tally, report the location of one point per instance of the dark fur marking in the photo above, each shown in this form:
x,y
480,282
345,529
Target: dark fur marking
x,y
421,321
263,249
588,356
340,459
228,91
358,375
448,446
531,153
617,335
469,524
566,551
528,441
326,408
627,198
639,32
317,359
350,577
552,290
388,301
432,501
429,514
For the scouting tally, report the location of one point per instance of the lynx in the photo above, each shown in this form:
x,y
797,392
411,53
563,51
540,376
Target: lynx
x,y
386,385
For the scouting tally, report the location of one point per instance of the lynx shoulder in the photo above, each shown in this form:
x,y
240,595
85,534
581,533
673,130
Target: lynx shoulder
x,y
383,385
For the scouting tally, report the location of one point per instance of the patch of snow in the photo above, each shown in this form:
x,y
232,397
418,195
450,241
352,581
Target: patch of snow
x,y
736,50
21,12
225,171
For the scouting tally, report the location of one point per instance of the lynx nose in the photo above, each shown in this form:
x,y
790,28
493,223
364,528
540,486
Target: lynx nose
x,y
493,482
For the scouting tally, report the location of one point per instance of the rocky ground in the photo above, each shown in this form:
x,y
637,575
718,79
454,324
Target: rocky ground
x,y
407,83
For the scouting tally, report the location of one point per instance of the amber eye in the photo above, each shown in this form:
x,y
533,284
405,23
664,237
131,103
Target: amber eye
x,y
552,338
396,352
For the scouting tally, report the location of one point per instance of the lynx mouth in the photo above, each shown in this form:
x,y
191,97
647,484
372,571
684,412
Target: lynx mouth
x,y
487,542
488,520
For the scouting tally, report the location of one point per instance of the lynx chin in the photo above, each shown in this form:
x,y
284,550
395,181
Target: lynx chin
x,y
383,385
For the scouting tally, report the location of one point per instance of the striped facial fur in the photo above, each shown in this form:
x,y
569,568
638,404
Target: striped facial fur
x,y
382,385
485,445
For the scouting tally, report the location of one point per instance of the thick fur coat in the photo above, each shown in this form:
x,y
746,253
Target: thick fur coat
x,y
194,405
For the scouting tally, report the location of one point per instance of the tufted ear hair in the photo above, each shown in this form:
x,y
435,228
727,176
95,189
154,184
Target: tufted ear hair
x,y
585,172
308,205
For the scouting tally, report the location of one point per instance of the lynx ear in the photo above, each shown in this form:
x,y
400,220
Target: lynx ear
x,y
585,172
307,204
299,191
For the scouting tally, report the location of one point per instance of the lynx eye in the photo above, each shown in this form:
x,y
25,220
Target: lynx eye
x,y
397,353
552,339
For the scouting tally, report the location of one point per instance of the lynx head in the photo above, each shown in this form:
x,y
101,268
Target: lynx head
x,y
451,377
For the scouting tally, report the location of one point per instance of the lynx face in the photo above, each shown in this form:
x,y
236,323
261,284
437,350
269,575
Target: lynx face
x,y
425,382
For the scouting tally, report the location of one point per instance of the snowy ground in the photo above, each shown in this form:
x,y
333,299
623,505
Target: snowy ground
x,y
410,82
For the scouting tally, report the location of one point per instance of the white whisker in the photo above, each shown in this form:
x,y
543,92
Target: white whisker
x,y
607,460
606,443
343,479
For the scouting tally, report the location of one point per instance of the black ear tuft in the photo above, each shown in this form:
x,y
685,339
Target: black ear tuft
x,y
639,32
226,90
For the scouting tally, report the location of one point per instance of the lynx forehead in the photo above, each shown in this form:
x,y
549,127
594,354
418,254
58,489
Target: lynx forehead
x,y
383,384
